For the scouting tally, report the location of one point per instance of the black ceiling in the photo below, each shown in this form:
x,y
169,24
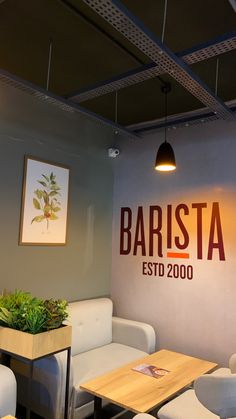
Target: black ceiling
x,y
87,50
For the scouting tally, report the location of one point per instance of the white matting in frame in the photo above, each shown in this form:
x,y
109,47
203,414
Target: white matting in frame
x,y
44,203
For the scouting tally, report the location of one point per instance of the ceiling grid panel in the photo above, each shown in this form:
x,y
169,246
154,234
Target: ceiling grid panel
x,y
61,103
211,49
203,52
116,83
134,30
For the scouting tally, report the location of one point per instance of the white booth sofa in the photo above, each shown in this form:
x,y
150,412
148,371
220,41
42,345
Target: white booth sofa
x,y
7,392
100,343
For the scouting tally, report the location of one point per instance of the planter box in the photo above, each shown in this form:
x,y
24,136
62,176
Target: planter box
x,y
34,346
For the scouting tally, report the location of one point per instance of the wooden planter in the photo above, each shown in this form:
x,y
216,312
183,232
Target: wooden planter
x,y
34,346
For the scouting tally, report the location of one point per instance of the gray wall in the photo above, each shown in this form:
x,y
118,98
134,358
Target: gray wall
x,y
195,316
81,269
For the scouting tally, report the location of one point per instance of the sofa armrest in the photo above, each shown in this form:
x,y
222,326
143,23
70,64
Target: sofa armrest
x,y
232,363
47,387
131,333
50,375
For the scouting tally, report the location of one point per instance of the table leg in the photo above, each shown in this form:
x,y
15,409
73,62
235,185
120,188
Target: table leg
x,y
67,383
97,407
28,409
6,360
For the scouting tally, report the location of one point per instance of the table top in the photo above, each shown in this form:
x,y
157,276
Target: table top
x,y
141,393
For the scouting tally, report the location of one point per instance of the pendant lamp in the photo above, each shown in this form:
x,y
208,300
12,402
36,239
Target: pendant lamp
x,y
165,159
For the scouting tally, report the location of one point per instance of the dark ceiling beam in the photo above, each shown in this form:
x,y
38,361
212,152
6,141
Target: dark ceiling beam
x,y
102,32
61,103
115,13
212,48
186,119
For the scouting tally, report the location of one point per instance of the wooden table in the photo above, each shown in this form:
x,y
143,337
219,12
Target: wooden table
x,y
141,393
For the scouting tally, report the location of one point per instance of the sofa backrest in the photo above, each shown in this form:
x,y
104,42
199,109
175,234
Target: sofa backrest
x,y
91,322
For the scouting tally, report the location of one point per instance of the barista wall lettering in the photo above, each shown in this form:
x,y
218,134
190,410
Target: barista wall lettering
x,y
154,236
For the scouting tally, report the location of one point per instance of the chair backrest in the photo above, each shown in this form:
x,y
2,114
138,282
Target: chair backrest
x,y
217,393
232,363
91,322
7,392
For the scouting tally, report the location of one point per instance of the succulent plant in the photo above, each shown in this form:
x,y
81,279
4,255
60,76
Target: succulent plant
x,y
56,313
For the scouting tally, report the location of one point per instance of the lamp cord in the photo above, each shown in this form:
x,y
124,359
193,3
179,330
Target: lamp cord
x,y
49,63
165,113
164,22
116,118
166,89
116,106
217,77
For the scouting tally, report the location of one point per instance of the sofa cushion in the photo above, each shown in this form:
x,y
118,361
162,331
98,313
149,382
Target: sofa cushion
x,y
91,364
91,322
185,406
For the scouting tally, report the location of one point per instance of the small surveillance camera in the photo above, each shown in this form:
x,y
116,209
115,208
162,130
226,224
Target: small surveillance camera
x,y
113,152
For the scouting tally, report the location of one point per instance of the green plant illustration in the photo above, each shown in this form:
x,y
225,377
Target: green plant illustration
x,y
21,311
45,199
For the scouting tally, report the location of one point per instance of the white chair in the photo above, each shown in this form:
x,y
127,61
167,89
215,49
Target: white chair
x,y
7,392
214,396
143,416
187,405
231,368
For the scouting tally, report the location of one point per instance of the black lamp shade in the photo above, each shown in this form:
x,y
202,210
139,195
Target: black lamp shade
x,y
165,159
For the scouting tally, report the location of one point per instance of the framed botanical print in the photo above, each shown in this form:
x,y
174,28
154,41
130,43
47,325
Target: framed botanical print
x,y
44,209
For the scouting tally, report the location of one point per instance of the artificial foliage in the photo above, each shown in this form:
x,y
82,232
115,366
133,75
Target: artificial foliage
x,y
21,311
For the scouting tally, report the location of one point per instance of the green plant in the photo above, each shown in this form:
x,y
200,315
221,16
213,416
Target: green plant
x,y
46,199
35,319
56,313
21,311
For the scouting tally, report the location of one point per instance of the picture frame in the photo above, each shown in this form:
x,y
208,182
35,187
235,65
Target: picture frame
x,y
44,207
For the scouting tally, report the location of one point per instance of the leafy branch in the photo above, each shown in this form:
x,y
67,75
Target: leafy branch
x,y
46,199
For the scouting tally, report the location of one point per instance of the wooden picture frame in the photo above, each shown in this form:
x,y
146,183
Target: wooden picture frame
x,y
44,207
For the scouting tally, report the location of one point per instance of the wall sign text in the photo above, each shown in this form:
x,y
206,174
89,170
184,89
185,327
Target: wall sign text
x,y
154,236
